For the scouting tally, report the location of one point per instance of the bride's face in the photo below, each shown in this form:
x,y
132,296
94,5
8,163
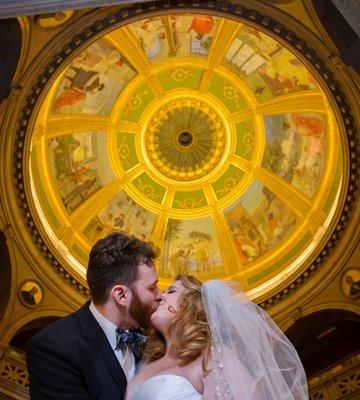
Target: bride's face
x,y
167,307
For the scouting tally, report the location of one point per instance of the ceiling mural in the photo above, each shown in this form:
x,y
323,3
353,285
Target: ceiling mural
x,y
191,247
295,149
268,69
124,214
198,132
175,35
258,222
93,81
80,166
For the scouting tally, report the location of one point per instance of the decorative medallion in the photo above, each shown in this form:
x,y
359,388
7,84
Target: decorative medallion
x,y
185,139
350,283
30,293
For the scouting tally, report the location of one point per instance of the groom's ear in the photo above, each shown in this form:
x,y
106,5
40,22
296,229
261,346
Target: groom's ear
x,y
120,294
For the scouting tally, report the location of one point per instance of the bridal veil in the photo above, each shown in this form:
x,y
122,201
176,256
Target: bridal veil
x,y
251,358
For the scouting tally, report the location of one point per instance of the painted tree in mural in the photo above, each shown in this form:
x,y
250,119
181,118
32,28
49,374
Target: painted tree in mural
x,y
169,266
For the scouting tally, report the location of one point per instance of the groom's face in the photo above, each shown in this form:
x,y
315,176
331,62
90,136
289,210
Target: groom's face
x,y
145,295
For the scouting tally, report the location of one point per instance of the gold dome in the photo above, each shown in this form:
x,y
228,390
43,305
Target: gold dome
x,y
199,132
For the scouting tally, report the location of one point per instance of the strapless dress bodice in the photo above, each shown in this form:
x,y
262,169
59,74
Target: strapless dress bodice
x,y
166,387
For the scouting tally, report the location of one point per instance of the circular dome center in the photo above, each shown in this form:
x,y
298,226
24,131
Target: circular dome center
x,y
185,139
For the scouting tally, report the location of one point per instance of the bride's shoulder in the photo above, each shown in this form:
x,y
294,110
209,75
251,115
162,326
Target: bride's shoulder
x,y
194,372
147,370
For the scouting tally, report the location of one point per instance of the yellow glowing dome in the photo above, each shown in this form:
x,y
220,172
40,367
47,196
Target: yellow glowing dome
x,y
198,132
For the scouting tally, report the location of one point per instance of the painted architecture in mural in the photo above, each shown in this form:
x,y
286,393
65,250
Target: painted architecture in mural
x,y
175,35
267,68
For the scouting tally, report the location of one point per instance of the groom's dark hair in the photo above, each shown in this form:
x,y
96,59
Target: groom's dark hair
x,y
114,260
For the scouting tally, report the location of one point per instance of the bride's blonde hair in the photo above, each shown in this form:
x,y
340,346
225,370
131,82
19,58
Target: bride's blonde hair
x,y
189,330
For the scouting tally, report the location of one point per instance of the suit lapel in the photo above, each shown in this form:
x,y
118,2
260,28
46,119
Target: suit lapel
x,y
96,337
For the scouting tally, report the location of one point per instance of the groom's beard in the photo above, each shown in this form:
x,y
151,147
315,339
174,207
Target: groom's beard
x,y
140,312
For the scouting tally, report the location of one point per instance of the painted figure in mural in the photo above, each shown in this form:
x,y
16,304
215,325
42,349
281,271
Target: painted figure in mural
x,y
193,251
119,221
28,296
201,245
69,97
91,353
83,189
307,171
86,73
289,149
76,161
203,253
248,250
354,290
63,148
277,83
241,245
201,26
211,342
295,149
258,222
93,80
179,262
248,240
82,86
150,33
83,79
122,213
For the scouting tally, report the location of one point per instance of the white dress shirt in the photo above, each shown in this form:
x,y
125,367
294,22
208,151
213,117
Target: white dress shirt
x,y
127,361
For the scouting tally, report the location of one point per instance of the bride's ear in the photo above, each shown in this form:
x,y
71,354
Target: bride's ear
x,y
120,294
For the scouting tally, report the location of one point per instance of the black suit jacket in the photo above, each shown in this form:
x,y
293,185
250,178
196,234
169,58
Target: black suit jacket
x,y
72,359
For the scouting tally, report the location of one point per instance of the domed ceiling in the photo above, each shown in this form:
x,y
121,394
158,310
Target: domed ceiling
x,y
198,132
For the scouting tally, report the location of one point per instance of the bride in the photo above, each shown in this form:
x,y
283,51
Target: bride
x,y
211,342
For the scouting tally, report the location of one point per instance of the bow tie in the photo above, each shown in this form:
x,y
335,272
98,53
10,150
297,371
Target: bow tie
x,y
133,340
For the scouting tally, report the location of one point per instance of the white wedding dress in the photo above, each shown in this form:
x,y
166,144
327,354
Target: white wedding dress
x,y
166,387
251,358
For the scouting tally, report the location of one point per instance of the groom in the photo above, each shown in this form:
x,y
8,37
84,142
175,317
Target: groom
x,y
90,354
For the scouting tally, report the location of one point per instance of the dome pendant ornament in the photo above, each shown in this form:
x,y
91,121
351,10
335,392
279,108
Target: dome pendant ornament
x,y
185,139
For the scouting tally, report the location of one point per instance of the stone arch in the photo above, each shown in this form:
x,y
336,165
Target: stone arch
x,y
27,331
28,322
325,337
